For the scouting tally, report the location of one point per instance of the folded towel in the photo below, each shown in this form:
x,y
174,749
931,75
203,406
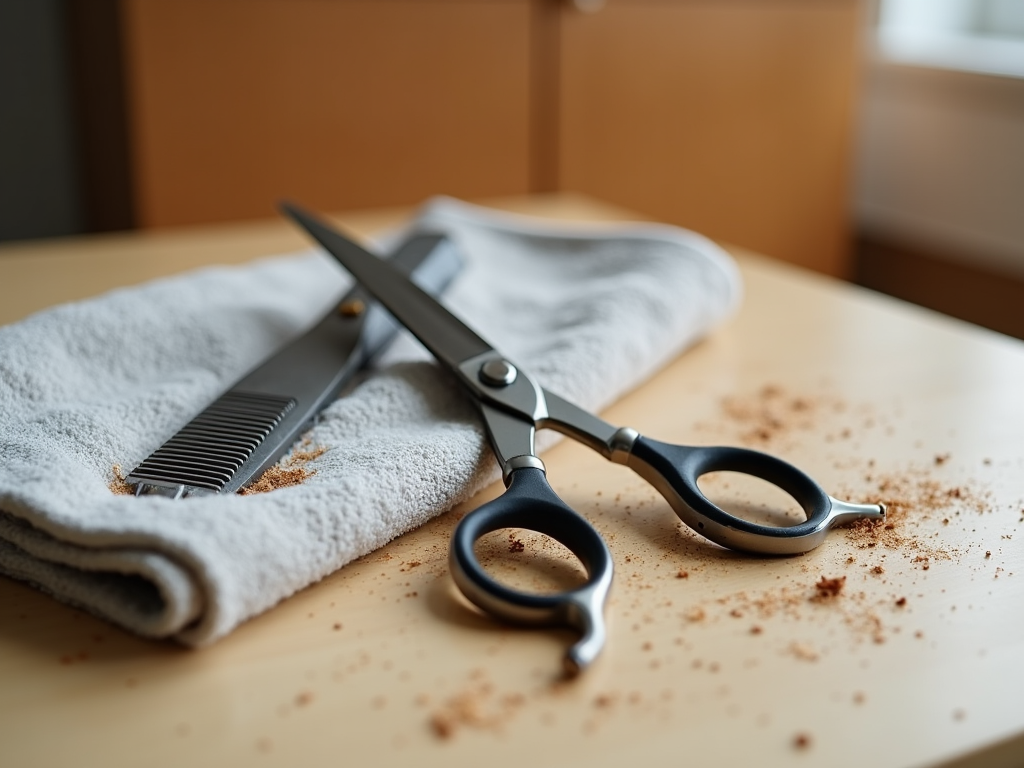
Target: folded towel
x,y
589,310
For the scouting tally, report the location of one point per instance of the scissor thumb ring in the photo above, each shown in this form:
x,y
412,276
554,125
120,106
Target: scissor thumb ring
x,y
529,503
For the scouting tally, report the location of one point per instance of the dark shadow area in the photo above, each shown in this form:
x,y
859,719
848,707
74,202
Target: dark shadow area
x,y
446,603
64,138
974,294
1004,754
39,170
100,101
752,499
66,634
529,562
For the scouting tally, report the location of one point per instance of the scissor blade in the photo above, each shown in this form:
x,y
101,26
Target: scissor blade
x,y
447,337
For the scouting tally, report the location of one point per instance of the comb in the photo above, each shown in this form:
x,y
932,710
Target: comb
x,y
247,429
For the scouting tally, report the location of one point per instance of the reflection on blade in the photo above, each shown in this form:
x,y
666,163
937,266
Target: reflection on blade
x,y
442,333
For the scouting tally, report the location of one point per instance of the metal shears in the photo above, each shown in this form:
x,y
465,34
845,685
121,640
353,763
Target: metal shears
x,y
513,406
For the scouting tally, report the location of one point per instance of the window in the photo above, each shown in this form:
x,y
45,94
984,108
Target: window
x,y
984,36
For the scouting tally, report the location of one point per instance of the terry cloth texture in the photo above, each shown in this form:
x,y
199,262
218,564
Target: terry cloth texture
x,y
591,311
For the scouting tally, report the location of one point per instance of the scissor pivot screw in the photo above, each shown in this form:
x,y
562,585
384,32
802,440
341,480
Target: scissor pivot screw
x,y
352,308
498,373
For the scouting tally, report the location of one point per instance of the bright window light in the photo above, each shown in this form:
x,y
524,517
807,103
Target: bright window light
x,y
984,36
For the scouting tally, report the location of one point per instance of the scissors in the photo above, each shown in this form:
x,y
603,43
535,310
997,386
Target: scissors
x,y
513,406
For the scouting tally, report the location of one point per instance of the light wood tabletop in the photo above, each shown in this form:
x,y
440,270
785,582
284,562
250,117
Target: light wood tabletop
x,y
900,644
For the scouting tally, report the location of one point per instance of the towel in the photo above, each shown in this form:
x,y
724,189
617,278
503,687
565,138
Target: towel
x,y
589,310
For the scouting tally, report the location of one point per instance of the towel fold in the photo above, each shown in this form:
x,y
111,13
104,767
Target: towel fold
x,y
589,310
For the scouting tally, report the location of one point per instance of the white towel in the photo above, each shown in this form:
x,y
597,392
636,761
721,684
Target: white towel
x,y
591,311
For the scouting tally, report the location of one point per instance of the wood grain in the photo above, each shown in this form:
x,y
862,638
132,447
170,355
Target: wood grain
x,y
731,118
238,103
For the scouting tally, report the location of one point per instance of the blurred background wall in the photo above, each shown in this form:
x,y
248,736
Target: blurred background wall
x,y
939,195
39,174
875,140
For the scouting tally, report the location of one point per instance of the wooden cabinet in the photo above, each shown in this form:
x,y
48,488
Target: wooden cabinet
x,y
732,117
341,104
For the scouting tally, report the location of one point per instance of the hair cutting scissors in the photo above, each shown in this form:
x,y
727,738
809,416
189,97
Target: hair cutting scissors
x,y
513,407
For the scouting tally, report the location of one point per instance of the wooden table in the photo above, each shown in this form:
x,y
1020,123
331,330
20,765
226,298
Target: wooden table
x,y
713,658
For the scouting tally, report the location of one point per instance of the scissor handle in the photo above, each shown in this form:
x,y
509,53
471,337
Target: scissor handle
x,y
675,469
530,503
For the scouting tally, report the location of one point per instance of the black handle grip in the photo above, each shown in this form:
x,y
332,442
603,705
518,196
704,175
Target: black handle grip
x,y
675,469
530,503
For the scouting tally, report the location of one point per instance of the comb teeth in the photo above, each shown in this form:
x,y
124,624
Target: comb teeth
x,y
208,451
